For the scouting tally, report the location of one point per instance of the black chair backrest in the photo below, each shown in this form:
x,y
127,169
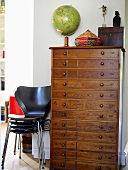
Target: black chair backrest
x,y
34,101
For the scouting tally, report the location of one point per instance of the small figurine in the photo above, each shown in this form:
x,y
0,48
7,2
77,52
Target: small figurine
x,y
116,19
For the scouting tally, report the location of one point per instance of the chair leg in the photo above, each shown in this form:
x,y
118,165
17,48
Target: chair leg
x,y
19,146
15,144
5,145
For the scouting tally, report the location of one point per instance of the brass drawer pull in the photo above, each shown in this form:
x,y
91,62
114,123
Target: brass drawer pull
x,y
64,84
100,157
101,127
101,105
63,154
102,84
63,114
101,116
64,104
63,144
63,125
62,165
100,137
102,52
101,95
64,94
64,63
65,53
63,134
102,63
64,74
102,74
100,147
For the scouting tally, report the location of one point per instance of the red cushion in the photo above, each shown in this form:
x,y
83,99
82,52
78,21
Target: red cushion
x,y
14,107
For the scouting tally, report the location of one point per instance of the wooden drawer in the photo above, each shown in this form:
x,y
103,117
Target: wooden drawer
x,y
96,147
84,94
85,136
63,144
62,134
94,166
64,154
88,53
88,74
85,84
82,104
64,124
58,164
86,126
85,114
88,64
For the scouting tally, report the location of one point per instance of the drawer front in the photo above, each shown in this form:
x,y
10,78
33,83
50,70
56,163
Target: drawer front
x,y
82,84
97,157
64,154
64,124
88,64
94,166
96,147
86,53
85,136
84,126
88,74
81,104
96,126
58,164
62,144
86,115
87,95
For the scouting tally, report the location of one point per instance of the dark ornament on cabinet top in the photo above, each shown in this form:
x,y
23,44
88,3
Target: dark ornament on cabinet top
x,y
116,19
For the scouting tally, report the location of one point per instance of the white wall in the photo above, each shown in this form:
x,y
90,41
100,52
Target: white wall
x,y
18,44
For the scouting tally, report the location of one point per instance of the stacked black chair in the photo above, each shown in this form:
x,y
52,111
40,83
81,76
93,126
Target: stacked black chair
x,y
35,103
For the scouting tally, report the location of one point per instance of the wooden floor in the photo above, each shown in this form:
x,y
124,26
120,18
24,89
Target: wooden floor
x,y
12,162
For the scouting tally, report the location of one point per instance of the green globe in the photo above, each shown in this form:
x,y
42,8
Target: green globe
x,y
66,19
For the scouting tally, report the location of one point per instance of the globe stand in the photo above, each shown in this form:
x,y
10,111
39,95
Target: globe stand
x,y
66,41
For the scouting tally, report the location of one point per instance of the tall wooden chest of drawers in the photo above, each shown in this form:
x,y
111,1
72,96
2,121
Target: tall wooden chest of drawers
x,y
85,98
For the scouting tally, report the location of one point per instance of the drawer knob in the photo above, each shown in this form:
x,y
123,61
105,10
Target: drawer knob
x,y
64,63
63,125
63,114
64,94
64,74
63,144
64,104
63,134
101,95
62,165
102,63
102,52
101,105
101,127
100,137
100,157
101,116
63,154
99,168
64,84
102,74
102,84
65,53
100,147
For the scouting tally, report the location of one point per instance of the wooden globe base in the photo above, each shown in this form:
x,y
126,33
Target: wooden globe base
x,y
66,42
